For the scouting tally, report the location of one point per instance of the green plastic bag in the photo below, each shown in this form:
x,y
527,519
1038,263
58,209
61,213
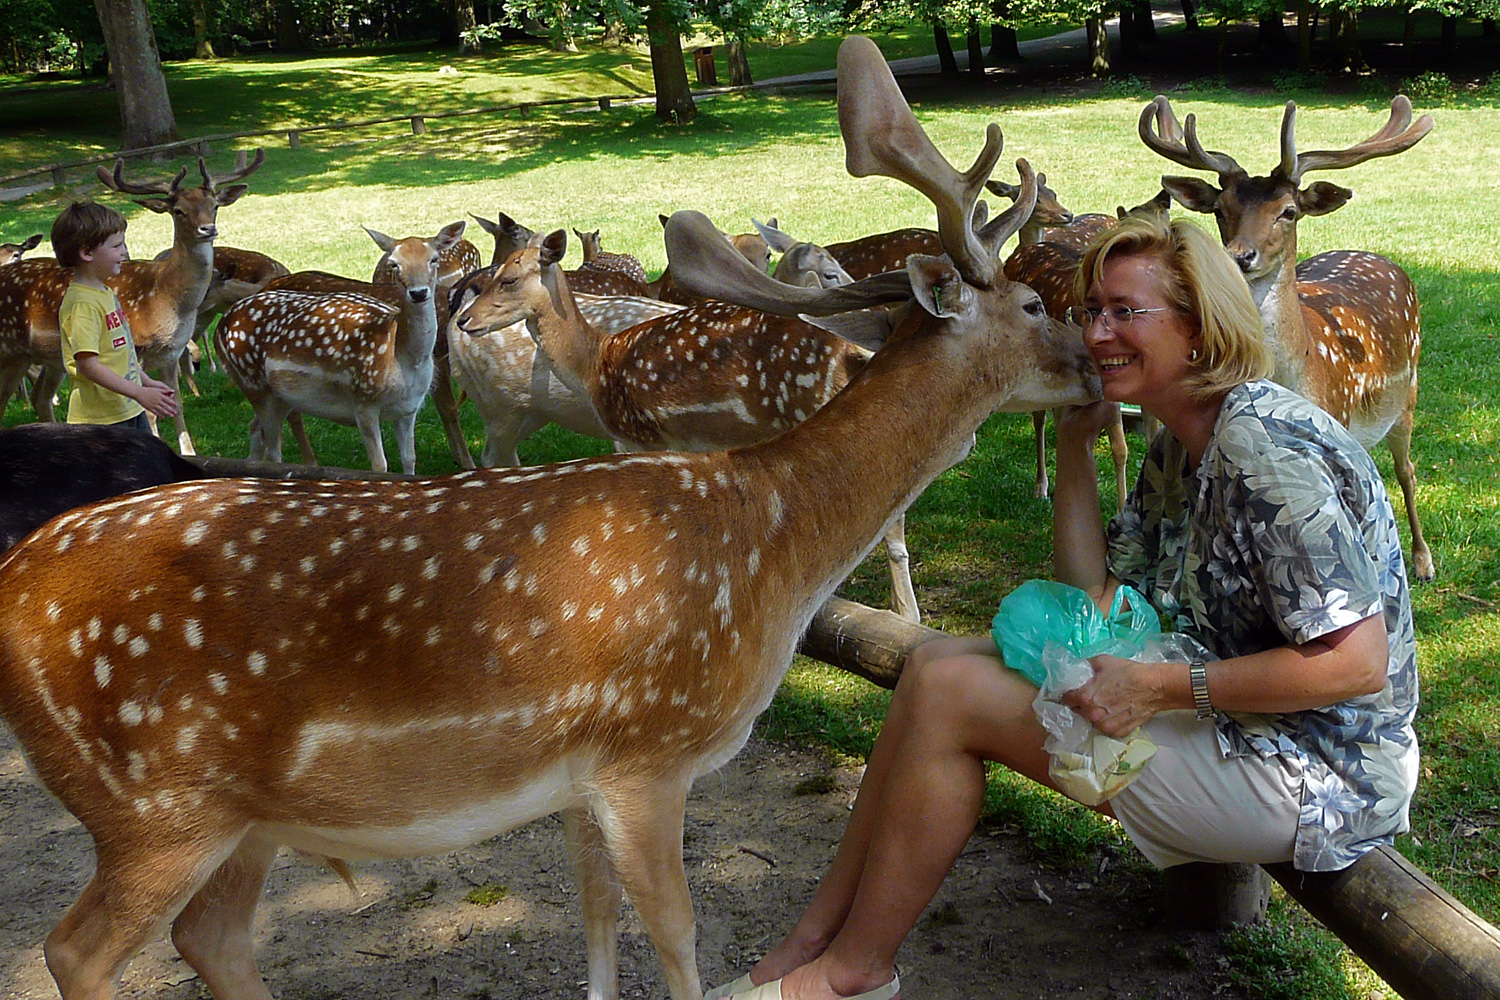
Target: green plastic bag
x,y
1042,611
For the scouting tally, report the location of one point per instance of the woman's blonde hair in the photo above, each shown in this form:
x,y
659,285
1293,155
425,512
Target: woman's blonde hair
x,y
1203,283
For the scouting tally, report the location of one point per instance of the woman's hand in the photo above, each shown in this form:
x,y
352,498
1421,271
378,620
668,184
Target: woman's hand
x,y
1084,423
1122,695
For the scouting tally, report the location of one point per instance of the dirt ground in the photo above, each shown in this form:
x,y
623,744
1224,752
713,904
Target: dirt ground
x,y
500,920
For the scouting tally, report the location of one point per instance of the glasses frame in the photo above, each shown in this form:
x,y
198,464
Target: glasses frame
x,y
1087,316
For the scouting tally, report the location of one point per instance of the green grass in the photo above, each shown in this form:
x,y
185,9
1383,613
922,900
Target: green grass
x,y
977,531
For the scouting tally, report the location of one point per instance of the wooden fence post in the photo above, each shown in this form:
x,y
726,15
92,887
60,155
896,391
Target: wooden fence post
x,y
59,176
603,104
294,139
418,125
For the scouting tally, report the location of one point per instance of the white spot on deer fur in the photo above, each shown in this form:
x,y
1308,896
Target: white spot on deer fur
x,y
257,663
192,633
187,738
101,672
139,646
752,561
537,627
194,533
307,565
218,682
473,541
410,543
391,625
596,612
393,594
775,509
131,714
199,593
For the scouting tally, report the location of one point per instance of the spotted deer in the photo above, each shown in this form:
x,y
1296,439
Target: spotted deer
x,y
454,261
11,252
355,357
160,298
514,386
392,669
1344,327
595,257
704,378
237,274
1049,265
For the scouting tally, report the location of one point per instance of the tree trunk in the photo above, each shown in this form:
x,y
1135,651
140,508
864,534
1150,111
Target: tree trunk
x,y
1004,45
1272,32
975,43
1409,38
674,96
145,107
203,47
1098,46
562,31
288,29
1305,24
1450,34
1351,56
464,23
1488,28
1190,15
739,64
1145,24
940,39
1129,45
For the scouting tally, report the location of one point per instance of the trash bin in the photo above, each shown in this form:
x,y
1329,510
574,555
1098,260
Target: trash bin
x,y
703,66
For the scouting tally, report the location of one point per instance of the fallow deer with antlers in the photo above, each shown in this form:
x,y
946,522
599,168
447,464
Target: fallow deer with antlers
x,y
355,357
1344,327
390,669
160,298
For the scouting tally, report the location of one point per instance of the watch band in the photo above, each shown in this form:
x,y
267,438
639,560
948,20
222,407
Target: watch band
x,y
1198,674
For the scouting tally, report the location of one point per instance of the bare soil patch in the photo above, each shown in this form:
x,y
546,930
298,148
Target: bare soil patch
x,y
500,920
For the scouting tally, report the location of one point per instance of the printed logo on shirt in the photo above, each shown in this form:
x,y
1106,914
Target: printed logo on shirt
x,y
114,321
118,343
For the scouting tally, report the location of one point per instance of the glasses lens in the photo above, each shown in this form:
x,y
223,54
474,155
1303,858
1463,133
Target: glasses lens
x,y
1083,316
1119,317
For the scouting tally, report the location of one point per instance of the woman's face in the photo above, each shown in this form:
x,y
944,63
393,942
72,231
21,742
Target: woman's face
x,y
1144,360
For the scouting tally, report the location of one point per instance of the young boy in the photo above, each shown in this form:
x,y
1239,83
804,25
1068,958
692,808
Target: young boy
x,y
108,384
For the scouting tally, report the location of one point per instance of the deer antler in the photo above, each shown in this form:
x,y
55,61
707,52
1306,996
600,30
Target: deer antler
x,y
240,172
882,136
705,263
1398,135
116,181
1181,145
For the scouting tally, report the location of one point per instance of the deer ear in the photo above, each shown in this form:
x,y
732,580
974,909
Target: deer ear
x,y
1192,193
156,204
485,224
32,243
554,246
231,194
774,237
1000,189
449,235
938,286
383,241
661,218
1321,197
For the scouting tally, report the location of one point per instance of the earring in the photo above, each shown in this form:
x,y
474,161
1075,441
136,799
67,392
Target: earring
x,y
1193,357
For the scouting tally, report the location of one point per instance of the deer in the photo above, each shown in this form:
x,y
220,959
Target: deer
x,y
454,262
1344,327
801,263
389,669
237,274
11,252
160,298
1049,266
513,385
355,357
509,236
597,258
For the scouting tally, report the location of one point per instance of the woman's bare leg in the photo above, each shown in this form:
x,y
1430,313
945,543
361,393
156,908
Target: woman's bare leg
x,y
955,707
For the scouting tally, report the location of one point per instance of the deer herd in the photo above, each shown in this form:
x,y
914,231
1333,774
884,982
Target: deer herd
x,y
221,667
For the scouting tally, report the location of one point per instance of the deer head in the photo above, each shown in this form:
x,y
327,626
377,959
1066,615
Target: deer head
x,y
10,252
1257,216
801,263
413,263
194,211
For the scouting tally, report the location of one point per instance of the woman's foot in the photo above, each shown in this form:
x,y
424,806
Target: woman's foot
x,y
791,954
807,983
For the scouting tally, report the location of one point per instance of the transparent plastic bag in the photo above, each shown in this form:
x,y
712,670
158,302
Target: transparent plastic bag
x,y
1048,634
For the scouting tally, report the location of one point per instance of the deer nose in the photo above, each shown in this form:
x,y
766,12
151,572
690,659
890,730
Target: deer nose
x,y
1245,257
419,294
209,231
1067,219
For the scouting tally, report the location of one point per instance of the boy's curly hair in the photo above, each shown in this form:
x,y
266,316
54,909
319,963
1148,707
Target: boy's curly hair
x,y
82,226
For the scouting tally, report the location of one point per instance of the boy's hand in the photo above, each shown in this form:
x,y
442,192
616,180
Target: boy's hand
x,y
159,400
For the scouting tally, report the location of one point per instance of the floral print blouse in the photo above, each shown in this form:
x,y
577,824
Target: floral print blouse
x,y
1284,533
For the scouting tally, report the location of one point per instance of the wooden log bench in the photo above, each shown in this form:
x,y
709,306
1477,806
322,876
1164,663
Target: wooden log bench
x,y
1423,942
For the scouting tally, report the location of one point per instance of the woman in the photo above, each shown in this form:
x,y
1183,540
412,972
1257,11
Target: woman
x,y
1263,530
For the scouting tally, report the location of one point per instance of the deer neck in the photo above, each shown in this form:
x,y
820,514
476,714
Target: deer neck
x,y
417,329
1275,295
559,328
1030,233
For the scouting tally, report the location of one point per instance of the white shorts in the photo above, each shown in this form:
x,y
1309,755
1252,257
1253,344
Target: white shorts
x,y
1192,804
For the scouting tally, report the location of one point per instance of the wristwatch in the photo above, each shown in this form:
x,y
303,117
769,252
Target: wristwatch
x,y
1198,674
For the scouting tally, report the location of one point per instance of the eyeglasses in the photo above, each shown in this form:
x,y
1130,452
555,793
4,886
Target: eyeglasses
x,y
1116,318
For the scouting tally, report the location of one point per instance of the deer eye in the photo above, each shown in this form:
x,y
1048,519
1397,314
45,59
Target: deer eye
x,y
1033,307
1288,214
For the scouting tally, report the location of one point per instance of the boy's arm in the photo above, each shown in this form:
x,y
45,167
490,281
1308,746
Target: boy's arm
x,y
160,400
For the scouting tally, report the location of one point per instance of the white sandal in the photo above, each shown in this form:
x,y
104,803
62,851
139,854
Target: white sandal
x,y
772,991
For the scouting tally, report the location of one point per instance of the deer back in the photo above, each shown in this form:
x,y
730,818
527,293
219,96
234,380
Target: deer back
x,y
1048,269
882,252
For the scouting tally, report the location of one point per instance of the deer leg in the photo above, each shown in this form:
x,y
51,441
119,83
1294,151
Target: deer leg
x,y
169,373
368,422
1039,425
600,889
1119,448
213,932
12,381
447,407
903,596
299,433
503,432
265,429
44,391
186,364
641,819
128,902
406,441
1399,441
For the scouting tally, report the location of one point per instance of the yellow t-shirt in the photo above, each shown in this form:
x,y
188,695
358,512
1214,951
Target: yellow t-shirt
x,y
92,321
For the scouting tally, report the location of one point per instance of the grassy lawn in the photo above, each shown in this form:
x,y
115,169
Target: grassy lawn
x,y
978,531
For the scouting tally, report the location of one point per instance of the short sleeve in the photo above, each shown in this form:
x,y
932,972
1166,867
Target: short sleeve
x,y
1304,514
83,327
